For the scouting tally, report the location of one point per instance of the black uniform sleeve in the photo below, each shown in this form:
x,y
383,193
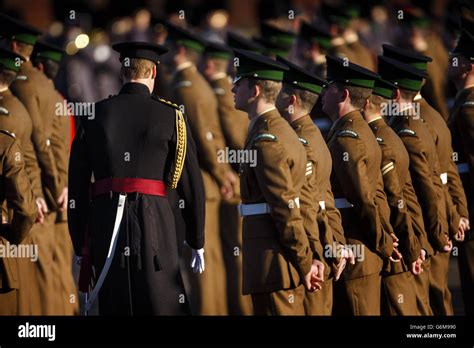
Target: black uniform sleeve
x,y
191,189
79,182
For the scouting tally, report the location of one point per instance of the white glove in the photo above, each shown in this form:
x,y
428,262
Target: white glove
x,y
197,260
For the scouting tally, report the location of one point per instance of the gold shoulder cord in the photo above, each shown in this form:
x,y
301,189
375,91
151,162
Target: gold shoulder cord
x,y
180,149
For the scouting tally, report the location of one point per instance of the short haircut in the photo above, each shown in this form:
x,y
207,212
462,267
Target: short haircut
x,y
305,98
6,76
358,95
376,101
268,88
137,68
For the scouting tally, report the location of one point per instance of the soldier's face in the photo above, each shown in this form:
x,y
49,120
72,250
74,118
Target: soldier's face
x,y
331,98
243,94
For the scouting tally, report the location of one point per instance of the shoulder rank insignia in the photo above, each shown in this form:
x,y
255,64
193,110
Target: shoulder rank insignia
x,y
21,78
265,136
468,103
4,111
379,140
167,102
185,83
8,133
406,131
219,91
303,141
347,133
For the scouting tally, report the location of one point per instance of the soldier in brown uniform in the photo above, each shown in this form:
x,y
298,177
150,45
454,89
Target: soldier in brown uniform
x,y
461,121
47,58
16,191
278,262
358,186
297,97
234,124
34,90
456,203
399,292
345,42
16,119
277,42
425,171
416,34
193,94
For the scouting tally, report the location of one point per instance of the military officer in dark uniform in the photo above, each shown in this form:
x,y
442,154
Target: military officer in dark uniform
x,y
358,186
136,149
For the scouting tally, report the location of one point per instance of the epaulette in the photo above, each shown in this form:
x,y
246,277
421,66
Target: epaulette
x,y
265,136
219,91
406,131
185,83
8,133
349,133
167,102
21,78
303,141
4,111
468,103
379,140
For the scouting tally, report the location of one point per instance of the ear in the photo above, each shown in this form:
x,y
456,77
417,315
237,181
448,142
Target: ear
x,y
13,46
292,100
256,91
366,105
153,72
345,95
40,67
397,95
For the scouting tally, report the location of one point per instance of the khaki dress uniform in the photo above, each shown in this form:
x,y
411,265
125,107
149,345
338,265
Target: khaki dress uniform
x,y
16,190
60,140
398,284
357,180
276,253
193,92
234,124
15,118
462,125
33,89
456,202
328,216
